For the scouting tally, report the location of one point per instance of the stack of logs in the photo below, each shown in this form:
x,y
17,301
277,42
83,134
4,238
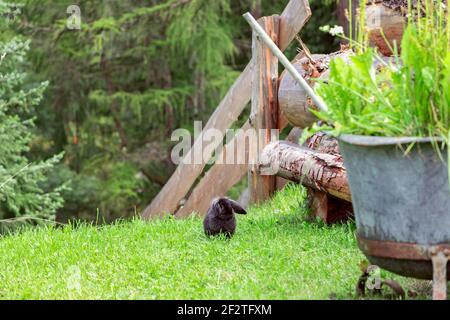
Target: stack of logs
x,y
318,164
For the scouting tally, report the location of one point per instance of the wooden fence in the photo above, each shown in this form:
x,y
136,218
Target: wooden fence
x,y
258,83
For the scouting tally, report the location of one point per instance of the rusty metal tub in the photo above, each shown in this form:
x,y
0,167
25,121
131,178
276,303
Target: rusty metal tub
x,y
401,203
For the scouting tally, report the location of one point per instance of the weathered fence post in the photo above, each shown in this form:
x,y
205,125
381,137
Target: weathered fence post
x,y
264,110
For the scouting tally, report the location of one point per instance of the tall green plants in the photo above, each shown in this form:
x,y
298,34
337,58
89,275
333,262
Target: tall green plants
x,y
409,96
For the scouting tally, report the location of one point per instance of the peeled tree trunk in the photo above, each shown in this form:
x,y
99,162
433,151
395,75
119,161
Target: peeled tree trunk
x,y
323,143
330,209
320,171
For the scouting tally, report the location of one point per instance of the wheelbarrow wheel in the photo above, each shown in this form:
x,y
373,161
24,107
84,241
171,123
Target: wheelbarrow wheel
x,y
397,290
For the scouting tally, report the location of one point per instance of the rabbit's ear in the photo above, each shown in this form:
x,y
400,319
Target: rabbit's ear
x,y
236,207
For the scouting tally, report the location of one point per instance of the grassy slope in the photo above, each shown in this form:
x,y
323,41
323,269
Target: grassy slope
x,y
275,254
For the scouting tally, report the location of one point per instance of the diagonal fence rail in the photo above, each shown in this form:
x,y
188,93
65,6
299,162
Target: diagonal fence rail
x,y
292,20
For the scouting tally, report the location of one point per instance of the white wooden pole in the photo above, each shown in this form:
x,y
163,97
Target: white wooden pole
x,y
285,62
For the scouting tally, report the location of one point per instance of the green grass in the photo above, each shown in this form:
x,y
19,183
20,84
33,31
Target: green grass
x,y
275,254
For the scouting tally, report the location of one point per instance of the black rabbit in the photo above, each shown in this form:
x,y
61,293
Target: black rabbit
x,y
220,217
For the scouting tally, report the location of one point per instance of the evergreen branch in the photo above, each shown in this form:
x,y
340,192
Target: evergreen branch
x,y
13,176
26,218
152,10
2,57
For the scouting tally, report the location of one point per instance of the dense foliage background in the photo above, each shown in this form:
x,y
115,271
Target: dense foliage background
x,y
116,89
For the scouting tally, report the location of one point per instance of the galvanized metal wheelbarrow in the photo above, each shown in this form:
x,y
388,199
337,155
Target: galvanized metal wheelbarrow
x,y
402,205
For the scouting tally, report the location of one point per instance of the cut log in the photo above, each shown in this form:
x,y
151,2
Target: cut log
x,y
387,15
321,171
292,137
328,208
323,143
385,23
293,100
294,103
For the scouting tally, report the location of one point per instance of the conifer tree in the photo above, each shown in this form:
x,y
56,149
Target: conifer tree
x,y
22,195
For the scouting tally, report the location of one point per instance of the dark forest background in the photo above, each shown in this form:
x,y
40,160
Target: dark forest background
x,y
112,93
